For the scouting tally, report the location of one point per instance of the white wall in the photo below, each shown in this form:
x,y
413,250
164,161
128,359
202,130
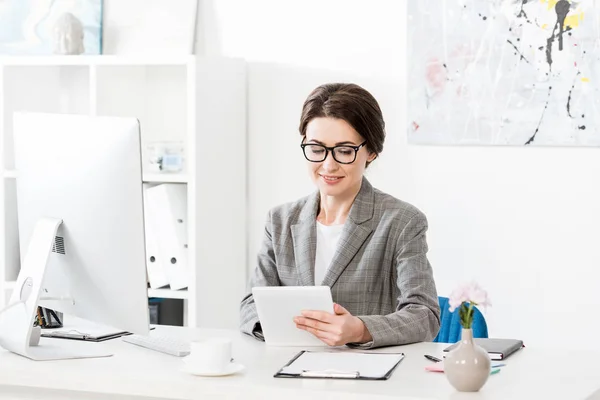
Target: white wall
x,y
524,222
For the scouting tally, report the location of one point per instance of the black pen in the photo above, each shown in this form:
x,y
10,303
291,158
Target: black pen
x,y
432,358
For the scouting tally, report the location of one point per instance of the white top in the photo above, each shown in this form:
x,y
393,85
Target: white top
x,y
531,373
328,237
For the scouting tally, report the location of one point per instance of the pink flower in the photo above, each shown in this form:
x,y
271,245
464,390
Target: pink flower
x,y
457,297
469,292
478,296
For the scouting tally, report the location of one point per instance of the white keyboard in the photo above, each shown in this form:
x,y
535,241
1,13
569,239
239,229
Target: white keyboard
x,y
164,344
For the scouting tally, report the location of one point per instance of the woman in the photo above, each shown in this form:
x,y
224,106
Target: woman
x,y
368,246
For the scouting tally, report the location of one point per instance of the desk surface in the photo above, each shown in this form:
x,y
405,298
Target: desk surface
x,y
134,371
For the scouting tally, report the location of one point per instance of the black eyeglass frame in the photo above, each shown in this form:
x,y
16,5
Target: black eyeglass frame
x,y
331,150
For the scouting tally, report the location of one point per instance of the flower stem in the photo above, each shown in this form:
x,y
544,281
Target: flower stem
x,y
470,315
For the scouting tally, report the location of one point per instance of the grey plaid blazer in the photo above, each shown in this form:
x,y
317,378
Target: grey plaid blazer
x,y
379,273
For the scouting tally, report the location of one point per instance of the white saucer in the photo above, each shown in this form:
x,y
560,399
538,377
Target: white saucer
x,y
231,369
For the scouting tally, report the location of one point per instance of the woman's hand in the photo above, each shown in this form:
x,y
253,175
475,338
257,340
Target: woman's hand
x,y
334,329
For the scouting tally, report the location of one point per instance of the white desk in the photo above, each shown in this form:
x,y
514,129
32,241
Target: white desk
x,y
134,371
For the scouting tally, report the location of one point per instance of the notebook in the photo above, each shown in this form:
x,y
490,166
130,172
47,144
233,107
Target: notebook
x,y
80,329
498,349
86,333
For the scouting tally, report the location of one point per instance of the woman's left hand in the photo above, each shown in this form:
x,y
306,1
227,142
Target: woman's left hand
x,y
334,329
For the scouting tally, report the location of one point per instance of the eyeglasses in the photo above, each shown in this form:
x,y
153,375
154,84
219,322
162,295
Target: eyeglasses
x,y
342,154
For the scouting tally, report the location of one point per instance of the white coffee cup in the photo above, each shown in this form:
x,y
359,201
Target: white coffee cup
x,y
210,355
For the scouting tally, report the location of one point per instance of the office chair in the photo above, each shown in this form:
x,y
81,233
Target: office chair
x,y
450,328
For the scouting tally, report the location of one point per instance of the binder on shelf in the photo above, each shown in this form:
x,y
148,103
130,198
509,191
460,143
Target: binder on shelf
x,y
157,276
167,215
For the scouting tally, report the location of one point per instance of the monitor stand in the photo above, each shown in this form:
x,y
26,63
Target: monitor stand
x,y
16,320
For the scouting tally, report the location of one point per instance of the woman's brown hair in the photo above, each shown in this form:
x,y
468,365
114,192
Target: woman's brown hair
x,y
348,102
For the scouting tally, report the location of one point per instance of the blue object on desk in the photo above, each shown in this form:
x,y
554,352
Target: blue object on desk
x,y
450,328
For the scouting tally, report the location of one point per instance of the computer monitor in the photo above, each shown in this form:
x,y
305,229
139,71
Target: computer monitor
x,y
81,229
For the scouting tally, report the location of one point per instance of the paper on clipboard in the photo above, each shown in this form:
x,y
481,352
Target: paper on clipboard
x,y
352,365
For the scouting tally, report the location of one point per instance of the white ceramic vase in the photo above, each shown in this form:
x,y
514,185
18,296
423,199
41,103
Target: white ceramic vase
x,y
467,367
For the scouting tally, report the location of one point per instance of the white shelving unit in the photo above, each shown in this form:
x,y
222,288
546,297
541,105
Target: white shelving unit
x,y
168,294
199,101
162,178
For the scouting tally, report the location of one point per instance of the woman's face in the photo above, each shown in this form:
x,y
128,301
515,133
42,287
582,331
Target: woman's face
x,y
331,177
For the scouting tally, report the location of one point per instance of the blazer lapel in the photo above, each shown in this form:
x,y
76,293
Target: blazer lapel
x,y
304,236
355,232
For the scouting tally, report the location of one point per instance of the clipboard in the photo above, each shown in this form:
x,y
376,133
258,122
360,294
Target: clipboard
x,y
341,365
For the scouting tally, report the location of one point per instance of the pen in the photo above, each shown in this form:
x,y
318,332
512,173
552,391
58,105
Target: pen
x,y
432,358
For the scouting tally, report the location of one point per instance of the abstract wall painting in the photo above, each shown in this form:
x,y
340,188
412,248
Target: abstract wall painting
x,y
34,27
504,72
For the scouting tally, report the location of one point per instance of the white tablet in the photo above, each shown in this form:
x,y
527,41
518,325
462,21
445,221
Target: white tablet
x,y
278,305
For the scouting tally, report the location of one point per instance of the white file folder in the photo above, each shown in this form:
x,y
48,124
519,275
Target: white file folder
x,y
167,212
157,276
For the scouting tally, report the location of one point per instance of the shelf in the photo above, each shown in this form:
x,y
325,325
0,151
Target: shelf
x,y
10,173
177,99
162,178
159,293
147,178
83,60
168,293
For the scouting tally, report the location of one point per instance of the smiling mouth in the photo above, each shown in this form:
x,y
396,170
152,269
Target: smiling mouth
x,y
331,178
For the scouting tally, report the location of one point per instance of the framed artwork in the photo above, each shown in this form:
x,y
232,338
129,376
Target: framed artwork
x,y
504,72
37,27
